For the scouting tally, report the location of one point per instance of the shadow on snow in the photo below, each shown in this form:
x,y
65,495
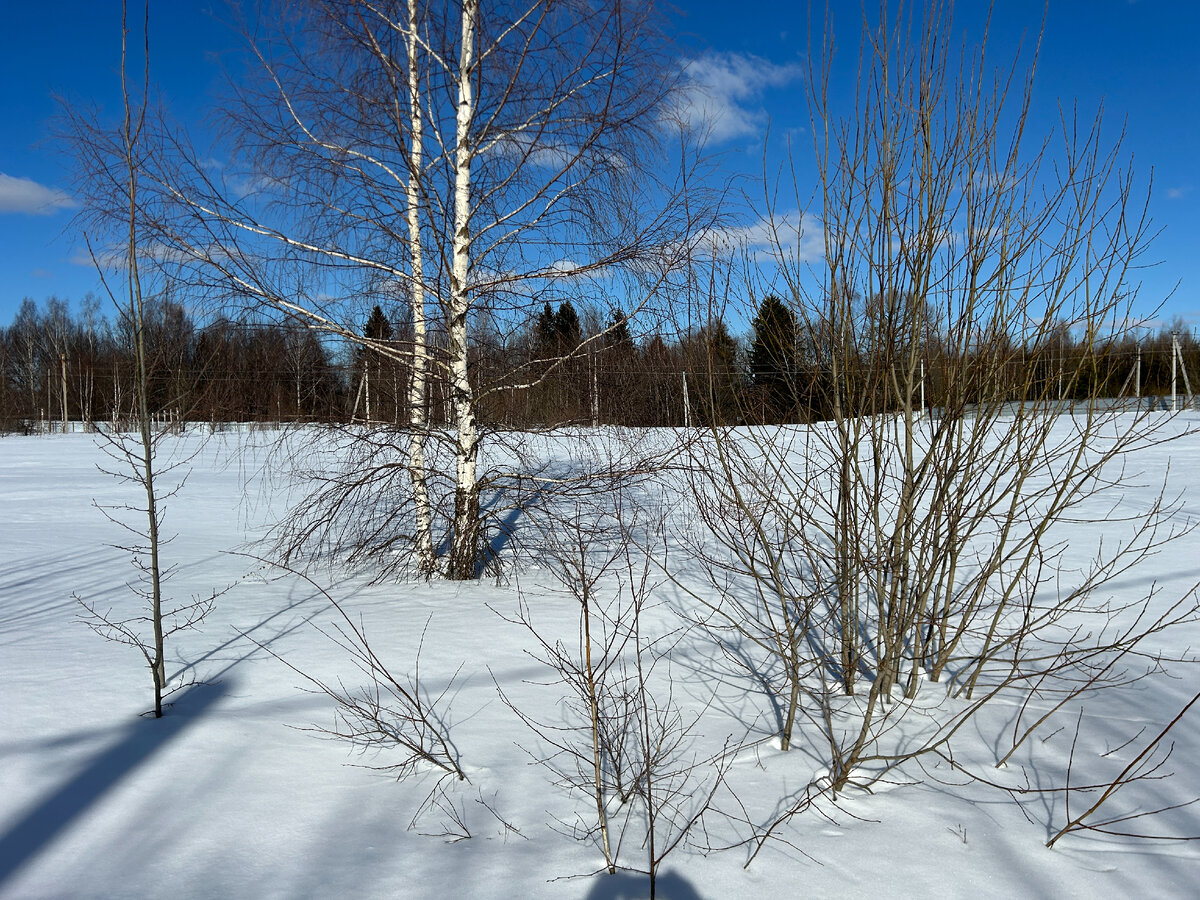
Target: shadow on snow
x,y
39,827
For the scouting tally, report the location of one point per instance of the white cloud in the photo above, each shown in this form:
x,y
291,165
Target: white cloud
x,y
116,258
24,195
1176,192
722,91
794,236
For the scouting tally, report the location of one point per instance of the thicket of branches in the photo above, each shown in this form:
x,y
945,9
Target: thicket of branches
x,y
888,571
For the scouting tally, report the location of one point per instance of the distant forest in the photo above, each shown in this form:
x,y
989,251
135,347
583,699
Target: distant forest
x,y
564,366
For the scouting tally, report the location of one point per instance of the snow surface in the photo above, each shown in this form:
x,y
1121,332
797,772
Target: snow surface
x,y
228,796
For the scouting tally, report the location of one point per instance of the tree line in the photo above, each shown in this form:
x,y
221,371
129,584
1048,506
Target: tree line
x,y
58,364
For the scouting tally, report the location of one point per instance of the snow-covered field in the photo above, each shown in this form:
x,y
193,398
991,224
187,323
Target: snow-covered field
x,y
229,796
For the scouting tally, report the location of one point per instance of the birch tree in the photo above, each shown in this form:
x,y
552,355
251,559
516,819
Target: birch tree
x,y
464,553
418,384
479,159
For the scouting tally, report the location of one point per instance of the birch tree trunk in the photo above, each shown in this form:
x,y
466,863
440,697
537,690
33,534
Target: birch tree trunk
x,y
464,548
417,412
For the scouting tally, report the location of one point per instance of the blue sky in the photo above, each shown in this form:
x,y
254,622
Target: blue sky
x,y
1137,58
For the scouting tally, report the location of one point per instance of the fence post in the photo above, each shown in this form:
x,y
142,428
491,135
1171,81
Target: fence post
x,y
1138,378
63,359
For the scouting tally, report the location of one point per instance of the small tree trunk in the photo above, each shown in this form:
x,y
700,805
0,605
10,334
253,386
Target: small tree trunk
x,y
687,406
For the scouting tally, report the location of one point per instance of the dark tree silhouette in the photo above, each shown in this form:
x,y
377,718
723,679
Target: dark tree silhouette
x,y
773,361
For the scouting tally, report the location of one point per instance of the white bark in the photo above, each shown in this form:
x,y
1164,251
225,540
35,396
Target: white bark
x,y
367,382
417,413
464,548
1174,371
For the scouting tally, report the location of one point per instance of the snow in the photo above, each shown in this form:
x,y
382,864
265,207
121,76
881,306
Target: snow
x,y
232,794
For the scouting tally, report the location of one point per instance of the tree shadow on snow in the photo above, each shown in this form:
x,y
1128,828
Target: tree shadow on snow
x,y
635,886
260,645
501,527
499,515
38,828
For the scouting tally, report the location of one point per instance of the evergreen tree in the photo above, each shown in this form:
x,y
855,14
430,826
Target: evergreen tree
x,y
546,333
378,327
618,337
712,360
773,360
557,333
566,326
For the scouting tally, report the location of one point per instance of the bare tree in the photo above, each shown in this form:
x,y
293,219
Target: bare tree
x,y
626,744
112,171
487,158
910,536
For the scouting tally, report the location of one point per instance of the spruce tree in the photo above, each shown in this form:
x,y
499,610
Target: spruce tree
x,y
378,327
566,325
773,359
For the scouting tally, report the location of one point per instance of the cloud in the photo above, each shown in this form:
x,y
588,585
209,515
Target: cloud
x,y
1176,192
116,258
722,90
24,195
794,236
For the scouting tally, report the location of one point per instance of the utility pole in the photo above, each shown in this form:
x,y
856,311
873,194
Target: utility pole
x,y
1174,365
1137,378
63,359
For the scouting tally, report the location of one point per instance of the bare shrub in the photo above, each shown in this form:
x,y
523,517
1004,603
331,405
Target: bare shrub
x,y
896,563
387,713
624,742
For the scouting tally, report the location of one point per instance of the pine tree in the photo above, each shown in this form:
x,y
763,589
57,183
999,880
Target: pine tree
x,y
618,337
378,328
546,333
